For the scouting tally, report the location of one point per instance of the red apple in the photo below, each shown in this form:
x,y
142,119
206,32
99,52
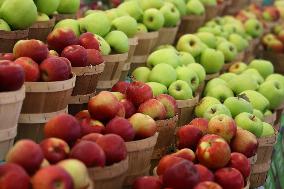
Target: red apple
x,y
128,107
52,177
119,95
30,67
120,86
204,173
76,54
275,45
7,56
27,154
84,114
63,126
200,123
60,38
54,149
148,182
121,110
90,153
89,41
92,137
13,176
139,92
153,108
103,106
170,104
229,178
188,137
32,48
94,57
114,148
89,125
52,53
12,76
44,163
244,142
213,151
121,127
54,69
241,163
166,162
143,125
208,185
185,153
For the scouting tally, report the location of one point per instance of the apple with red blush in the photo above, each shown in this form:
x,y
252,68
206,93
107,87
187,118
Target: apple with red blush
x,y
200,123
30,67
153,108
120,86
188,137
207,185
89,41
92,137
167,162
128,107
169,103
240,162
149,182
94,57
121,110
83,114
7,56
139,92
204,173
185,153
90,125
229,178
53,53
76,54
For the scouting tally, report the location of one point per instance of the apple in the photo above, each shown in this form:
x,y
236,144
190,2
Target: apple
x,y
118,41
159,71
257,100
208,184
138,92
258,114
27,154
201,124
171,14
49,8
149,182
208,38
240,162
76,54
68,6
229,178
89,41
52,53
126,24
180,90
166,56
4,25
51,177
268,130
70,24
7,56
213,151
154,108
128,107
89,125
275,77
120,86
42,17
12,76
104,46
30,67
114,148
264,67
253,27
254,74
194,7
191,77
145,4
188,137
166,162
132,8
249,122
119,95
141,74
204,173
237,105
199,70
185,58
141,28
169,103
153,19
186,154
13,174
238,67
229,50
242,83
157,88
275,45
204,104
228,76
213,83
180,5
191,44
93,137
220,92
240,43
212,60
94,57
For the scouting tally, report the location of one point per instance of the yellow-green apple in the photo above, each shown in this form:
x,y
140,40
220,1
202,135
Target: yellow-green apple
x,y
34,49
132,8
138,92
229,178
54,149
150,182
89,41
47,8
213,83
119,95
60,38
268,130
63,126
253,27
169,103
254,74
118,41
190,76
141,28
237,105
126,24
180,5
186,154
27,154
12,175
166,56
220,92
191,44
185,58
276,77
213,151
76,54
207,184
199,70
159,71
114,148
274,45
204,104
227,76
201,124
141,74
222,125
104,46
258,114
240,162
157,88
42,17
68,6
128,107
194,7
264,67
52,53
90,153
208,38
212,60
4,25
238,67
171,14
242,83
244,142
120,86
229,50
55,69
167,162
30,67
104,106
239,42
204,173
111,14
153,108
257,100
89,125
166,47
188,137
52,177
94,57
93,137
250,122
145,4
153,19
70,24
180,90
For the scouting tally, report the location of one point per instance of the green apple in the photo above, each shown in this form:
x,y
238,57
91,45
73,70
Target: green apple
x,y
264,67
104,46
141,74
253,27
199,70
68,6
227,76
237,105
276,77
42,17
153,19
118,41
111,14
47,7
159,72
268,130
4,25
268,113
19,14
221,92
185,58
1,2
96,23
216,109
166,56
208,38
190,76
203,104
157,88
257,100
166,47
126,24
209,2
239,42
238,67
273,91
213,83
146,4
171,14
242,83
180,5
258,114
253,73
69,23
250,123
132,8
191,44
212,60
220,40
141,28
180,90
194,7
229,50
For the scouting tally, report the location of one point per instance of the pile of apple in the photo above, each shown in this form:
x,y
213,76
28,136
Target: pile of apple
x,y
14,12
274,41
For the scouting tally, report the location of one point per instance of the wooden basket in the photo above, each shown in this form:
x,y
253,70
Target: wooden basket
x,y
40,30
59,17
10,108
146,42
211,12
190,24
240,57
185,110
110,177
133,42
211,76
85,86
91,185
220,8
199,90
43,101
270,119
167,36
277,60
236,6
259,174
112,71
139,156
9,38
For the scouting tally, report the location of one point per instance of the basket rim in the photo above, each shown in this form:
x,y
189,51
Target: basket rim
x,y
89,70
115,57
188,102
147,35
134,146
13,96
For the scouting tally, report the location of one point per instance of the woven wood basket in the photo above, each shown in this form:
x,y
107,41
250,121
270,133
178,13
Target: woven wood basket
x,y
185,110
211,12
9,38
240,58
167,36
190,24
40,30
59,17
271,119
277,60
